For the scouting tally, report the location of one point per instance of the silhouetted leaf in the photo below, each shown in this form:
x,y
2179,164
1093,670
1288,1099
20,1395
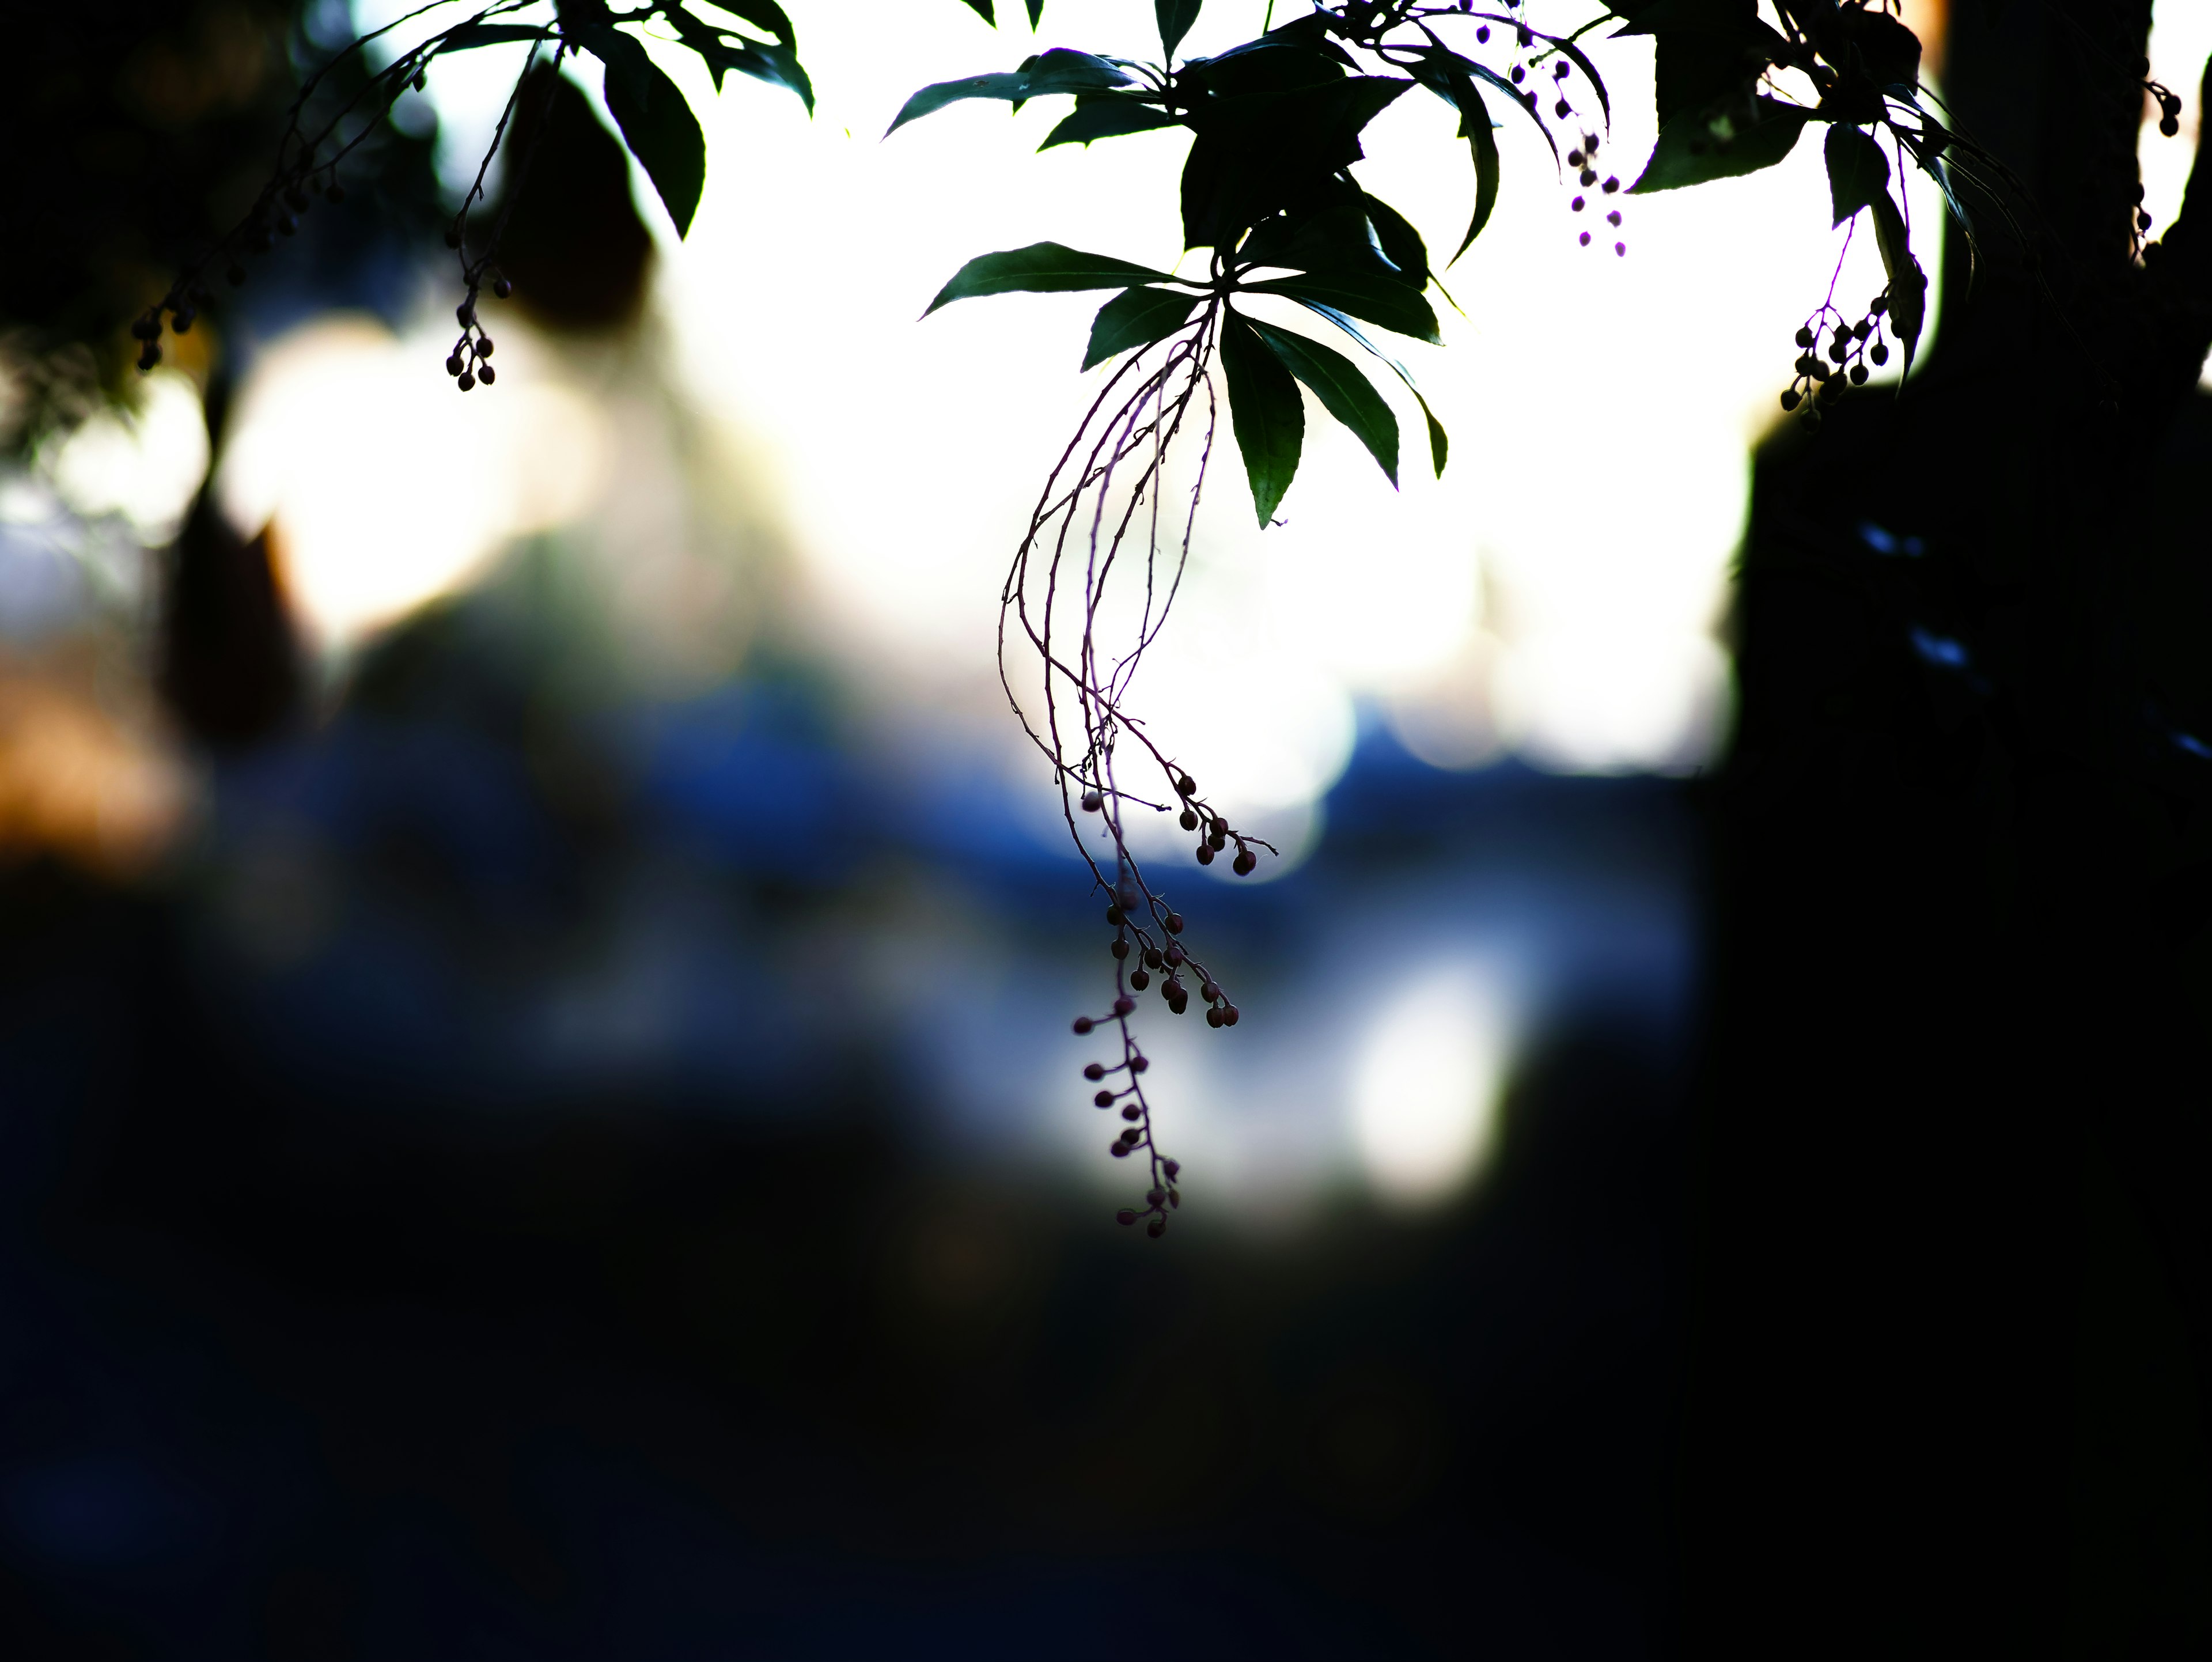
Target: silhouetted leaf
x,y
1378,299
1401,243
1337,239
1042,268
656,123
1175,17
1137,318
1701,145
1055,71
1857,170
1107,115
1525,104
1343,391
1439,444
1266,413
982,9
763,15
469,35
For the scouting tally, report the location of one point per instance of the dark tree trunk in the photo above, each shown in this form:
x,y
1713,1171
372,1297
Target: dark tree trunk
x,y
1956,1324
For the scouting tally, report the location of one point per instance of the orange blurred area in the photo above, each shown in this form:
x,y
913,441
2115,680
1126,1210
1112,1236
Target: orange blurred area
x,y
81,780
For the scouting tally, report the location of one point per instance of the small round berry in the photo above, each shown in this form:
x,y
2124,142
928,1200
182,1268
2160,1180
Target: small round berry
x,y
1611,185
1576,204
465,313
1084,1025
1125,1216
455,364
146,328
1519,74
1229,1014
1245,862
1791,399
467,382
1116,916
1120,948
1589,177
1139,979
1620,248
1173,988
1188,820
148,355
1157,1227
1209,990
1117,1148
1482,34
503,289
1172,1167
1879,352
1177,1005
1186,786
1613,218
1104,1099
2168,125
1094,1071
1092,801
1559,71
1124,1005
1574,158
1173,921
1137,1064
1213,1017
1174,955
1131,1136
1133,1113
1583,239
1858,375
1151,957
1206,854
483,346
183,321
487,374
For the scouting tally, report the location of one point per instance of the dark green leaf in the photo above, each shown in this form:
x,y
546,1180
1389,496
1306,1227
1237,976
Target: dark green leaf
x,y
1107,115
1379,300
1175,17
1266,413
1401,243
982,9
1341,238
469,35
1715,143
1343,391
1056,71
763,15
1036,12
1439,445
1857,170
1908,284
1040,268
1137,317
656,123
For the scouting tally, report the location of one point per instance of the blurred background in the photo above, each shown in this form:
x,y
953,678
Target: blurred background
x,y
539,1111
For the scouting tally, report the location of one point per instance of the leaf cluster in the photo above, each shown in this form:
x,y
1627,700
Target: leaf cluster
x,y
1268,194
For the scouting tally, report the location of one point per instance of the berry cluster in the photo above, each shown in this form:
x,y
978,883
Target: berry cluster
x,y
469,360
1821,380
1147,944
1586,160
